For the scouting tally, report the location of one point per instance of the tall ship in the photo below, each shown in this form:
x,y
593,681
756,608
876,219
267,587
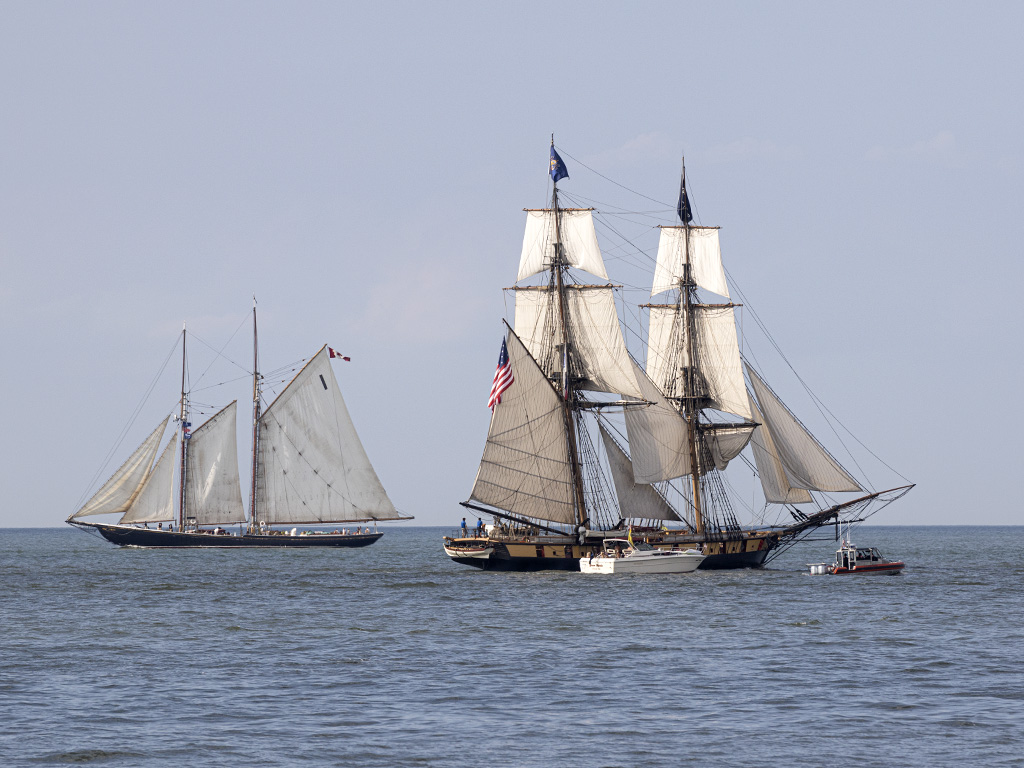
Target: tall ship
x,y
585,443
308,468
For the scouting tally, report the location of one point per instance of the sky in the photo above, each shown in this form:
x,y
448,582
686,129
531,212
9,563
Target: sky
x,y
362,169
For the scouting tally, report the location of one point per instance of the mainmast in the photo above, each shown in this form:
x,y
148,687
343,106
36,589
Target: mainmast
x,y
183,416
253,524
689,404
558,266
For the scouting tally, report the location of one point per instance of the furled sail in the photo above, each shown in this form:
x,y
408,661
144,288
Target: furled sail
x,y
777,489
597,349
525,465
705,260
213,492
118,493
637,501
806,462
155,502
579,242
313,468
727,443
718,357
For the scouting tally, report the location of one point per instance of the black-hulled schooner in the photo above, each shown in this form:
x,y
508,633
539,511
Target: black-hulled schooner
x,y
308,468
585,443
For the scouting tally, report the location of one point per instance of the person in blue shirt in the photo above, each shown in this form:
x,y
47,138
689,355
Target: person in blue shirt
x,y
479,527
465,530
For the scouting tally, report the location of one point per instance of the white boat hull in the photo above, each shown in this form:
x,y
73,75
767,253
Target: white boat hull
x,y
481,553
644,562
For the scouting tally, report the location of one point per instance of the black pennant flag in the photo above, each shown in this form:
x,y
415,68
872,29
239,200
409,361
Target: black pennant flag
x,y
683,209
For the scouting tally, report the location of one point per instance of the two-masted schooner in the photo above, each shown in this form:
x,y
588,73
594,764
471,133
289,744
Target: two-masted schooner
x,y
560,472
308,468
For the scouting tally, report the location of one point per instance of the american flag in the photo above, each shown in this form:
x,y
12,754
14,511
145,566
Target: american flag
x,y
502,377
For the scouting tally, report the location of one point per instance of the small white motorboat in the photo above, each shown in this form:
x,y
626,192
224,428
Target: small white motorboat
x,y
623,556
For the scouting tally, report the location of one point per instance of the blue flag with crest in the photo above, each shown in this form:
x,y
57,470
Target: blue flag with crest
x,y
558,170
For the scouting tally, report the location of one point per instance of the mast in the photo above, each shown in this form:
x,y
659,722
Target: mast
x,y
253,525
568,397
183,415
688,404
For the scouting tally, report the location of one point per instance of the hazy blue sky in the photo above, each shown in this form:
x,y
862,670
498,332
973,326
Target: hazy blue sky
x,y
362,168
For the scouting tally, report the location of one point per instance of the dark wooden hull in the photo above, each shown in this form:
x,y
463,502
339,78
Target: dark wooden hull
x,y
552,554
128,536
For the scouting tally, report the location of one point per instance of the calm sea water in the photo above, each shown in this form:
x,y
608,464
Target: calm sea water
x,y
394,656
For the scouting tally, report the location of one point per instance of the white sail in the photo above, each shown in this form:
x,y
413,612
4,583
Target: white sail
x,y
718,356
719,360
657,436
726,444
212,488
598,350
313,468
772,474
705,260
579,242
525,465
637,501
155,502
806,462
666,349
120,490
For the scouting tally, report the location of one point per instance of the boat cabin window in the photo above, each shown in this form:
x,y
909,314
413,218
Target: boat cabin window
x,y
642,546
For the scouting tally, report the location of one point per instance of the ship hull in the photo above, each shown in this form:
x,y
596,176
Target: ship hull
x,y
878,569
129,536
554,554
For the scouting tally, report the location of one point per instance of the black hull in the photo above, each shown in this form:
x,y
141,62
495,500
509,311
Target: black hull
x,y
733,561
126,536
556,559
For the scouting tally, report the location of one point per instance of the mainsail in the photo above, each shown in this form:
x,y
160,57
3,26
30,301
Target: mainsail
x,y
155,502
312,465
118,493
212,487
525,467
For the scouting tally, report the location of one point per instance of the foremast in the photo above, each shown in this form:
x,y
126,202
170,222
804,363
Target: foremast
x,y
689,406
567,390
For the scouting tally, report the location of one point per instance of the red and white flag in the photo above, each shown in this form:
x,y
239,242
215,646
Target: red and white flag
x,y
502,377
338,355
